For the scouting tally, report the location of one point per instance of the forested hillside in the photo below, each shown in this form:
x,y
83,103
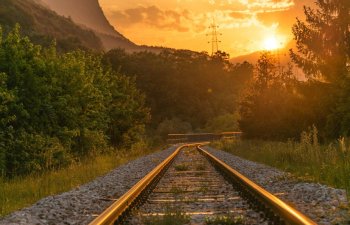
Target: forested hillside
x,y
43,26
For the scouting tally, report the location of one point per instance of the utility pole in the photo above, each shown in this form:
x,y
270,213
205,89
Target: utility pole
x,y
214,38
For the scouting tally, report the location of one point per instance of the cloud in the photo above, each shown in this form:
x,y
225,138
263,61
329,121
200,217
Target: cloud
x,y
240,15
154,17
286,17
185,23
270,4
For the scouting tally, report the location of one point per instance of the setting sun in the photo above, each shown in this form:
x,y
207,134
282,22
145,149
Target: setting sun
x,y
271,43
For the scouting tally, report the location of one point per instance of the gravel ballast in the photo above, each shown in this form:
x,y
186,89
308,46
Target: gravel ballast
x,y
81,205
323,204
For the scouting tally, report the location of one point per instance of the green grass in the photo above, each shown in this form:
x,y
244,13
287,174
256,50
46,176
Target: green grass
x,y
307,159
181,167
21,192
224,220
171,217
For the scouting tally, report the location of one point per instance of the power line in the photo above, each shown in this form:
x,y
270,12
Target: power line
x,y
214,38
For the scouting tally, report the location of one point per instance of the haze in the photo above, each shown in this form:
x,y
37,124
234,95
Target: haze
x,y
246,25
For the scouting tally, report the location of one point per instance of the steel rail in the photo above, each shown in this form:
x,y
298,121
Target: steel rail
x,y
116,210
288,214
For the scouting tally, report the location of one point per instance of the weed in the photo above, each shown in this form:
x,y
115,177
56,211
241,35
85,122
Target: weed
x,y
24,191
308,159
176,190
203,189
181,167
171,217
224,220
200,167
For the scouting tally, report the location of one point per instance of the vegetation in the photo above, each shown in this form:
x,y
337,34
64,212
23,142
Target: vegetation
x,y
224,220
308,159
61,103
185,90
20,192
171,217
277,106
59,108
181,167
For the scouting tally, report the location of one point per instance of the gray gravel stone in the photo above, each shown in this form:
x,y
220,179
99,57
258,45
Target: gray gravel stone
x,y
323,204
81,205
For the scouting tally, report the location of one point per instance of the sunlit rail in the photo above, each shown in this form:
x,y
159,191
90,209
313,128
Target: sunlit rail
x,y
275,209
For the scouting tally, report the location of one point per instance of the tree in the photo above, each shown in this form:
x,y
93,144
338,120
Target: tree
x,y
269,108
7,98
56,108
191,86
323,41
323,44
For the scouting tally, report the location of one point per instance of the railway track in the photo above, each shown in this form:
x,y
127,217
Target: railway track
x,y
193,187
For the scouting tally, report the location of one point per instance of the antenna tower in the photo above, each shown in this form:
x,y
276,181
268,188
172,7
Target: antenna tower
x,y
214,38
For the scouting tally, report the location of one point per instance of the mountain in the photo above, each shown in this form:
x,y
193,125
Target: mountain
x,y
43,26
281,54
88,13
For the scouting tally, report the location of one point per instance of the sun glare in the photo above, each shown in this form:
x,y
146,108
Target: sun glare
x,y
271,43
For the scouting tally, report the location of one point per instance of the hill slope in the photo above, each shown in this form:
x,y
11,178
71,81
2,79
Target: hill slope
x,y
89,13
86,12
43,25
281,54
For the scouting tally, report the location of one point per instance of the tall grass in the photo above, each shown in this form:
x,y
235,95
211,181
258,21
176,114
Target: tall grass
x,y
308,159
24,191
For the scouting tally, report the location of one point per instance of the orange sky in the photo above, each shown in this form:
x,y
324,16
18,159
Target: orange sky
x,y
246,25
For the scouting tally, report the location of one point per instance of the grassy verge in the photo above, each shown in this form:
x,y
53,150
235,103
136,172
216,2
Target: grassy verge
x,y
327,164
21,192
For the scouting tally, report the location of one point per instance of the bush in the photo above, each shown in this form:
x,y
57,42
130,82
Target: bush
x,y
173,126
59,107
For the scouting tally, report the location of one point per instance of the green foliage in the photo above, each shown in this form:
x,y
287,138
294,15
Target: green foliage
x,y
183,85
6,98
56,108
224,220
222,123
270,108
173,126
171,217
323,53
20,192
329,164
181,167
323,40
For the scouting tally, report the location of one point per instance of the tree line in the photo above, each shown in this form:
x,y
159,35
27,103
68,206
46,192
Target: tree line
x,y
278,106
186,91
57,108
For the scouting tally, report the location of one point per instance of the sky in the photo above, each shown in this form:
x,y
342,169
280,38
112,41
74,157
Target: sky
x,y
245,26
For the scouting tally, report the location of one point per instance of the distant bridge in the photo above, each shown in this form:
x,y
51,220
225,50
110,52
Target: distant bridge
x,y
201,137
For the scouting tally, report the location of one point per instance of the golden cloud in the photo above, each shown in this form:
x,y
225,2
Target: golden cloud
x,y
154,17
